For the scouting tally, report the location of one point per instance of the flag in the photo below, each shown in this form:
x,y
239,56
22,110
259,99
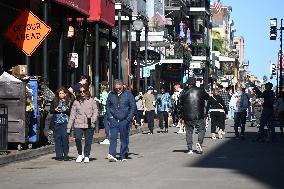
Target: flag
x,y
218,6
188,41
181,33
278,63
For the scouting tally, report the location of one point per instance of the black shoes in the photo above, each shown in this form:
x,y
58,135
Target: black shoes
x,y
59,158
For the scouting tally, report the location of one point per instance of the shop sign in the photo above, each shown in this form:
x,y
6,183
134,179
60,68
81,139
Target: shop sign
x,y
73,60
27,32
146,71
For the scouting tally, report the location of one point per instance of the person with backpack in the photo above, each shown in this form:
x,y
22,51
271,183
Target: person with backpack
x,y
239,104
218,111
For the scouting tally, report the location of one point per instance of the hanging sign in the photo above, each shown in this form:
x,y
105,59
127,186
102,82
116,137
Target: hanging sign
x,y
73,60
27,32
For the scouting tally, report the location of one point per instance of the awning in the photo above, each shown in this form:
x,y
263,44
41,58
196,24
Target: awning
x,y
102,11
82,6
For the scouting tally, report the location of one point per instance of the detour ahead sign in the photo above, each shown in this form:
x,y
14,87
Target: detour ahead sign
x,y
27,32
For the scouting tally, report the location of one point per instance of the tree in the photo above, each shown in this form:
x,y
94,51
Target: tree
x,y
265,79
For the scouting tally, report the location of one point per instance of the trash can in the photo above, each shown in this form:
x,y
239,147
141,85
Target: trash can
x,y
3,128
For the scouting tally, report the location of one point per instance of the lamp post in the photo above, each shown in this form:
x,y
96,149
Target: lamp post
x,y
138,26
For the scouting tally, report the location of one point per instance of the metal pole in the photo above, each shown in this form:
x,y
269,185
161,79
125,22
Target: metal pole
x,y
45,60
110,78
85,51
119,44
27,58
60,55
138,33
97,59
129,51
281,54
146,56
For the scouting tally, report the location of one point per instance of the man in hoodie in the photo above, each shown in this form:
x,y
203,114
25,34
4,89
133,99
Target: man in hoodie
x,y
119,111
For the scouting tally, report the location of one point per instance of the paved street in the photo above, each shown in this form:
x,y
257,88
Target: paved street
x,y
159,161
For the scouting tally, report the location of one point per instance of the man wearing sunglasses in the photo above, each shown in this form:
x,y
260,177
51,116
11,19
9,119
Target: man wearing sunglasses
x,y
120,109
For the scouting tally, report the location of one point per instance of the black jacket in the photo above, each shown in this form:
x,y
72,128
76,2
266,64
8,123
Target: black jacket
x,y
192,103
216,102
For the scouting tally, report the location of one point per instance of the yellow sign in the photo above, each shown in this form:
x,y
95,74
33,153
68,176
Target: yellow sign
x,y
27,32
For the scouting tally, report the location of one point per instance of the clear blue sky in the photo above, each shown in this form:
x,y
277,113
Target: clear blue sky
x,y
251,19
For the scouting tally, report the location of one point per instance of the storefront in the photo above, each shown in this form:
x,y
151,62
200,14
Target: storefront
x,y
44,61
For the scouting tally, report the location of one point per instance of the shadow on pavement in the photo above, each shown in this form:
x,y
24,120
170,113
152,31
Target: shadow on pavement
x,y
261,161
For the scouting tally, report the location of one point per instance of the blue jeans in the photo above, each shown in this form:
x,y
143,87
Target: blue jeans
x,y
107,127
88,133
61,140
115,128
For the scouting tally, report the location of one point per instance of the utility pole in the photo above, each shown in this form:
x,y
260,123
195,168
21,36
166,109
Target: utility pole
x,y
281,56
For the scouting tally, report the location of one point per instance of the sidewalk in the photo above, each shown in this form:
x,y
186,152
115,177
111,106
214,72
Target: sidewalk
x,y
14,155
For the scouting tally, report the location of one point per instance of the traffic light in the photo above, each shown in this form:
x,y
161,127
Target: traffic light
x,y
273,28
273,69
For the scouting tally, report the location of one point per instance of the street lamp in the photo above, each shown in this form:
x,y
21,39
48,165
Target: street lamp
x,y
138,26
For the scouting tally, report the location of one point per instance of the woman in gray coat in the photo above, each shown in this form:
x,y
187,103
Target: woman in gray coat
x,y
83,116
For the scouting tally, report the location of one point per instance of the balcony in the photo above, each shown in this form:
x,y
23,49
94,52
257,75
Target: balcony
x,y
200,5
176,5
178,51
124,4
200,50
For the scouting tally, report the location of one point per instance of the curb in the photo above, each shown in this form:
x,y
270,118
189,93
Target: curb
x,y
34,153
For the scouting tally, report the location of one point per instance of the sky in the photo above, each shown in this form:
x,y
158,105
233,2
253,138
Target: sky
x,y
251,18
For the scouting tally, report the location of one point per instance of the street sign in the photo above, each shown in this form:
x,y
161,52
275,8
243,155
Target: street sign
x,y
27,32
146,71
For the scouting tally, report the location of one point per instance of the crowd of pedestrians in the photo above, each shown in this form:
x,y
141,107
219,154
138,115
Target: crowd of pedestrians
x,y
188,108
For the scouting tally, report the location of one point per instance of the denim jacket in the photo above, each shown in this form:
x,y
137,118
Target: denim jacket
x,y
164,102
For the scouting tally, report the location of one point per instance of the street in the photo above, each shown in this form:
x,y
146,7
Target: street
x,y
159,161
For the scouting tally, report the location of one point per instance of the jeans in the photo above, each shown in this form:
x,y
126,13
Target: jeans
x,y
61,140
116,127
266,119
150,116
240,121
163,116
189,127
88,133
107,128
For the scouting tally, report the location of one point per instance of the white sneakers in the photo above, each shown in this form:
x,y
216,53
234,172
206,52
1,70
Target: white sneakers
x,y
190,152
220,132
80,159
86,160
214,136
199,148
106,141
181,131
111,158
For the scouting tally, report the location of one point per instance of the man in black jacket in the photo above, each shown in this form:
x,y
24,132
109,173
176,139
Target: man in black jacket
x,y
192,104
267,113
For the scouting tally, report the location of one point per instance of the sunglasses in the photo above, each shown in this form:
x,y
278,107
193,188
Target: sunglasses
x,y
118,89
83,91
